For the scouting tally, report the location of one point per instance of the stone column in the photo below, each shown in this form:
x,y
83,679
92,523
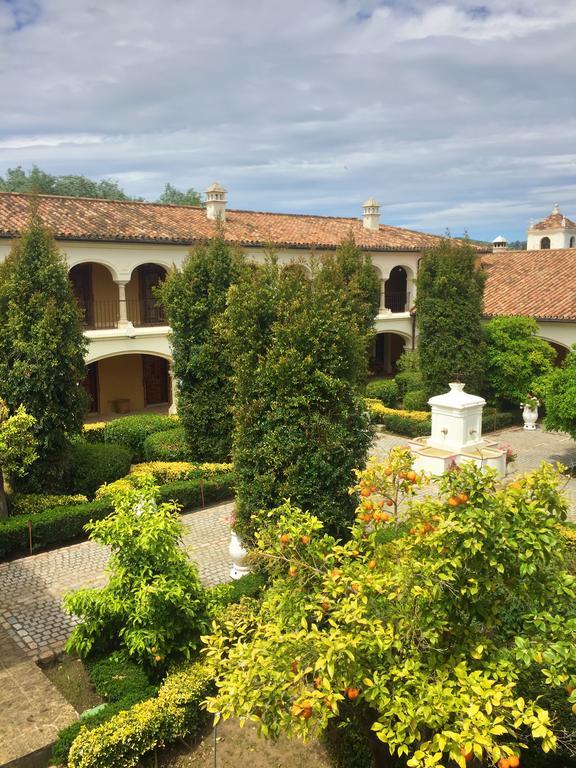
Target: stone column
x,y
123,321
173,410
382,307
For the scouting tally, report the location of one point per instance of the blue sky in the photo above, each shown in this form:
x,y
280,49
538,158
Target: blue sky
x,y
453,114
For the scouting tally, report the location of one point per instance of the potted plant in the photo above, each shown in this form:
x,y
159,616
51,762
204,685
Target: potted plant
x,y
530,411
510,455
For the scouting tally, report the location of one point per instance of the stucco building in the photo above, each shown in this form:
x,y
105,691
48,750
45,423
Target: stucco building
x,y
118,252
556,231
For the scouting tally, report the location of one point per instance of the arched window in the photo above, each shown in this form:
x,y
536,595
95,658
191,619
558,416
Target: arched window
x,y
545,243
573,242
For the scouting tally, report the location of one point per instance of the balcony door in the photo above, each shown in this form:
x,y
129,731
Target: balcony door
x,y
81,279
150,275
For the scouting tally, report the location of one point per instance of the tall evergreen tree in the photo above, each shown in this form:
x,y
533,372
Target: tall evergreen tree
x,y
43,347
449,317
299,355
194,298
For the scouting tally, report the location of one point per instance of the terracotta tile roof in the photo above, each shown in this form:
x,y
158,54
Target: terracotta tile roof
x,y
541,284
554,221
74,218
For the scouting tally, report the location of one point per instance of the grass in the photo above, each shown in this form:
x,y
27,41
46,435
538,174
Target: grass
x,y
71,679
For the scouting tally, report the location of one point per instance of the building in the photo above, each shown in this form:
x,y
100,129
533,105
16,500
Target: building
x,y
118,251
554,232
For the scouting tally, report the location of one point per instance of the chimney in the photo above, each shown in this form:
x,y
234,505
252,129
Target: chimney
x,y
216,202
499,244
371,218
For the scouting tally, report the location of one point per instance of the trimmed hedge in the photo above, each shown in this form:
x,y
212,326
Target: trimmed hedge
x,y
117,676
416,400
53,526
385,390
89,465
168,445
130,431
493,420
198,493
407,423
31,503
175,712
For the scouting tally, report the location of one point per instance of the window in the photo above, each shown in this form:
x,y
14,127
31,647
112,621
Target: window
x,y
573,242
545,242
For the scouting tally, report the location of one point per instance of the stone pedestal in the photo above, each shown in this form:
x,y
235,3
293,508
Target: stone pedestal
x,y
456,435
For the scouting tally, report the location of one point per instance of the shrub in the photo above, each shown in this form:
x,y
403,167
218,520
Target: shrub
x,y
130,431
198,493
170,471
515,358
176,712
231,592
53,526
415,400
559,395
385,390
153,605
409,377
493,420
117,676
89,465
32,503
169,445
407,423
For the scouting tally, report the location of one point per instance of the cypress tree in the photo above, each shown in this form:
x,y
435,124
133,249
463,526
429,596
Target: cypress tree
x,y
42,348
449,317
299,356
194,299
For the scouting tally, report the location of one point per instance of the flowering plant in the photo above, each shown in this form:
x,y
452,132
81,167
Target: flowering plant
x,y
510,455
531,403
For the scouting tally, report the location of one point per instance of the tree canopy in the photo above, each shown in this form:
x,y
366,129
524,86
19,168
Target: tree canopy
x,y
558,391
421,630
173,196
43,347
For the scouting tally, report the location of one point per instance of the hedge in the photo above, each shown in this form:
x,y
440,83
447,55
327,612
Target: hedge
x,y
168,445
31,503
408,423
416,400
64,524
170,472
130,431
89,465
53,526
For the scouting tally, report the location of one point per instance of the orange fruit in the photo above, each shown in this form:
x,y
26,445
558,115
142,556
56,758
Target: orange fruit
x,y
569,688
372,564
453,501
365,492
352,693
317,682
466,755
412,476
390,503
384,517
463,498
305,539
504,762
306,710
325,605
514,761
285,538
355,587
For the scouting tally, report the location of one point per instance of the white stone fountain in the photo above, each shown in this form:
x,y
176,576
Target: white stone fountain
x,y
456,435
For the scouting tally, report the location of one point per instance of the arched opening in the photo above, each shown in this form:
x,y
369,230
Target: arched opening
x,y
127,383
573,242
395,290
561,352
386,349
143,308
545,243
96,294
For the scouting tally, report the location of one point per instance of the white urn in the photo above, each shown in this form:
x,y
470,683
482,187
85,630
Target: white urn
x,y
239,556
530,416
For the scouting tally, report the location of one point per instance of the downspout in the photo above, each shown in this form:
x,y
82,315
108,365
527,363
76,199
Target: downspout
x,y
413,316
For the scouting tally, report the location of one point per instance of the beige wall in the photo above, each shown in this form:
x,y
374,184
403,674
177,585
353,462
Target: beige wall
x,y
119,378
103,287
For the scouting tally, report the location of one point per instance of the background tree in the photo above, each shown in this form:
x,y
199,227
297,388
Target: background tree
x,y
515,357
299,355
449,317
173,196
43,347
558,391
17,447
38,181
194,299
420,629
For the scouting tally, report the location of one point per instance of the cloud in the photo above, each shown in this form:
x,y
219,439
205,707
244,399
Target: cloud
x,y
454,114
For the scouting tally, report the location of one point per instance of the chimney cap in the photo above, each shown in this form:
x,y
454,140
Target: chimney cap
x,y
215,187
371,203
500,239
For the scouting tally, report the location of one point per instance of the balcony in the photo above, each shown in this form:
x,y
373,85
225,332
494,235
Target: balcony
x,y
395,302
103,315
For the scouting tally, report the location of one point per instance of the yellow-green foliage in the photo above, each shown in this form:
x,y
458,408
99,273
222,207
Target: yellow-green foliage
x,y
376,408
31,503
164,472
175,712
97,428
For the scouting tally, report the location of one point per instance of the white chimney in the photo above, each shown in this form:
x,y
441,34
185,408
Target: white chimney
x,y
499,244
371,218
216,202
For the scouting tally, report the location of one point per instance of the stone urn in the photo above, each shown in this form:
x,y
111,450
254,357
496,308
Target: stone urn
x,y
239,556
530,412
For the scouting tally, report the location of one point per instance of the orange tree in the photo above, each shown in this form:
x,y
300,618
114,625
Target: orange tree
x,y
420,626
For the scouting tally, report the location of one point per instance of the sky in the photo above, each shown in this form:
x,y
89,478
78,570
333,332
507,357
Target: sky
x,y
454,115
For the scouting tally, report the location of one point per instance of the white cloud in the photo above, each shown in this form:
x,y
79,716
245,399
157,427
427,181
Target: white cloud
x,y
454,114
